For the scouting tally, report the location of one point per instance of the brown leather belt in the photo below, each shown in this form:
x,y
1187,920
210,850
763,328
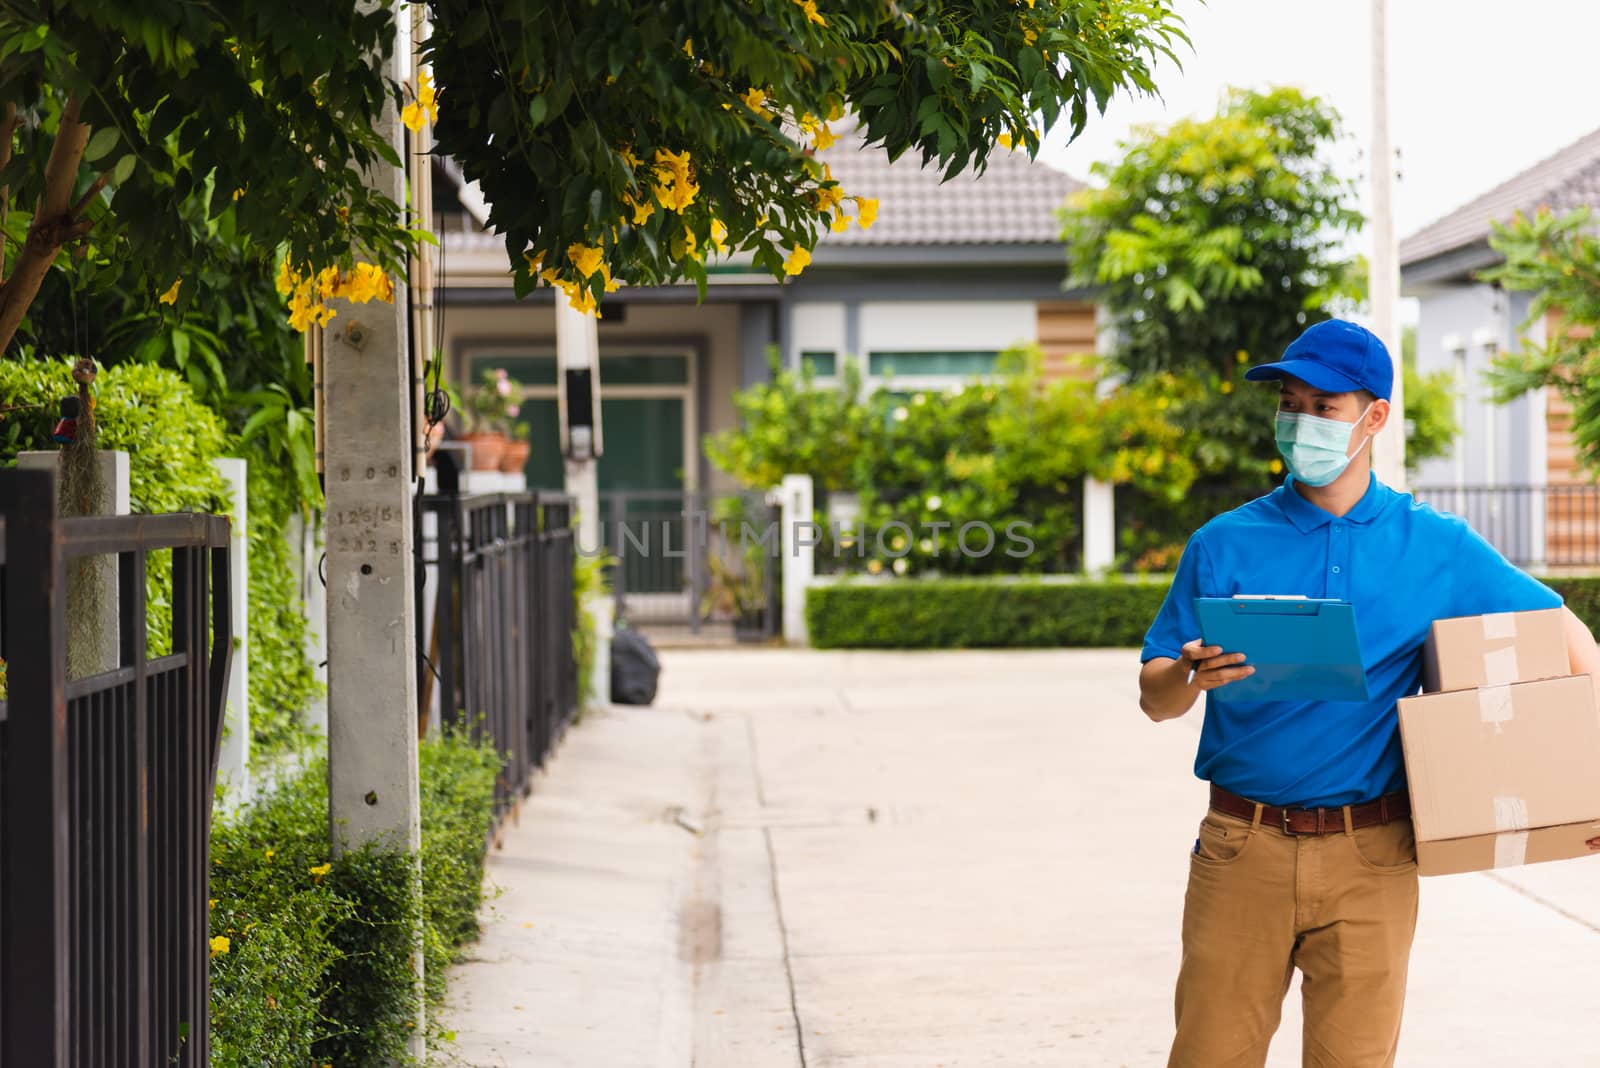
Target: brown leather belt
x,y
1395,806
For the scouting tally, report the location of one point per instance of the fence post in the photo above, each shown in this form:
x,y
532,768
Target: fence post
x,y
93,646
1099,526
233,767
799,555
600,609
35,964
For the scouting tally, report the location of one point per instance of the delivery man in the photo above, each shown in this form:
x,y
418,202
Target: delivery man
x,y
1306,858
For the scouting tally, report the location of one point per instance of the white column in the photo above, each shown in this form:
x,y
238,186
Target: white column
x,y
577,348
1389,448
1099,526
93,642
799,538
233,765
602,610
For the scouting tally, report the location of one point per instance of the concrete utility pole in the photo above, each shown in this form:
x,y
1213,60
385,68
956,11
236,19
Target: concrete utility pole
x,y
372,659
1389,449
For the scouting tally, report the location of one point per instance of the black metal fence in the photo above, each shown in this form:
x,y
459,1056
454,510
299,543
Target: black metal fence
x,y
1538,526
689,558
105,792
499,637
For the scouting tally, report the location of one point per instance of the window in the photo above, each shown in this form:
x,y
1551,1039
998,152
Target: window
x,y
940,364
824,363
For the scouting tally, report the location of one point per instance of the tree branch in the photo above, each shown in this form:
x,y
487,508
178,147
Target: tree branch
x,y
90,193
8,130
52,225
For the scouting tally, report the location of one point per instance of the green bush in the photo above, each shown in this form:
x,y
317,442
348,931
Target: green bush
x,y
957,613
1582,594
317,967
171,440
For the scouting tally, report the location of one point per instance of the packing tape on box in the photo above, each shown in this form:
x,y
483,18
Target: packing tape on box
x,y
1500,667
1498,626
1511,849
1494,705
1511,821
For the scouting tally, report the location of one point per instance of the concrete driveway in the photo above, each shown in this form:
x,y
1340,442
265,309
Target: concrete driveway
x,y
803,859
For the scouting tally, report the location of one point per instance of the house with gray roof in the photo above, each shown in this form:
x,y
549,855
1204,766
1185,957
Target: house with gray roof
x,y
1512,471
950,275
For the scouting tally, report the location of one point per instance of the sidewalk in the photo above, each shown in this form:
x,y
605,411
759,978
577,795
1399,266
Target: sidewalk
x,y
801,859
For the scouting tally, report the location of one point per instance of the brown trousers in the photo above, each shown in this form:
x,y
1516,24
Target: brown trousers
x,y
1341,907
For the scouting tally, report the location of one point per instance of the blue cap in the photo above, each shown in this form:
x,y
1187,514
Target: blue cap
x,y
1336,356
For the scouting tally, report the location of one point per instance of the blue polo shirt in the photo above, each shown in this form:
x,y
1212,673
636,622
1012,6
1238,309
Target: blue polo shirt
x,y
1401,564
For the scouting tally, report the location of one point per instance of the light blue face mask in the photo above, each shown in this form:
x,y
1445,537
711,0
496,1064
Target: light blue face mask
x,y
1314,447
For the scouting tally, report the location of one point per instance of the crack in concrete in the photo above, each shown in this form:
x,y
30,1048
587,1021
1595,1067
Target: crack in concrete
x,y
777,898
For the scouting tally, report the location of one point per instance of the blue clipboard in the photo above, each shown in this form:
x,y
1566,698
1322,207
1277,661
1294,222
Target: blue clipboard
x,y
1303,649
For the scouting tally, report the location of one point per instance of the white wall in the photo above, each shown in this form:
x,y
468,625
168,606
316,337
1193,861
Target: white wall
x,y
939,326
1499,443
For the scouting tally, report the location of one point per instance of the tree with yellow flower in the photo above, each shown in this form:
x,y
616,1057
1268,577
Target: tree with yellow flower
x,y
658,136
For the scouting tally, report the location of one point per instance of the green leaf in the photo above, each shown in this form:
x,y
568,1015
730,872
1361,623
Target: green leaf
x,y
124,169
101,141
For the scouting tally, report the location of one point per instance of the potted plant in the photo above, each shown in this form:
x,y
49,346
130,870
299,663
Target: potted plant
x,y
519,446
484,410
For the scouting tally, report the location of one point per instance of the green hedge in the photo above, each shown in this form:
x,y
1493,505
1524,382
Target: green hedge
x,y
316,968
957,613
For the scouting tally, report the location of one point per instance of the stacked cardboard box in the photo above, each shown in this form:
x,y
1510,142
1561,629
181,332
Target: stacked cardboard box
x,y
1503,750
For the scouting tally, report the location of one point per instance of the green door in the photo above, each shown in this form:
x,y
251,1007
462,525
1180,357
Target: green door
x,y
644,452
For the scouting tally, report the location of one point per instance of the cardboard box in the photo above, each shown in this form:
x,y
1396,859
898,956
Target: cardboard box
x,y
1503,775
1494,650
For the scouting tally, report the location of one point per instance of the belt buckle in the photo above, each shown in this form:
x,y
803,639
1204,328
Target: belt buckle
x,y
1283,814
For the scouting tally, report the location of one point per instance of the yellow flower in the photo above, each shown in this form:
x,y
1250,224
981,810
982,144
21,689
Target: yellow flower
x,y
754,99
328,282
270,854
533,262
835,113
627,154
839,224
810,8
582,300
867,211
684,246
809,123
675,186
1004,140
411,115
829,197
211,903
171,295
321,869
798,260
220,945
1029,36
1241,357
1276,466
719,235
642,210
1227,387
287,277
611,286
426,96
237,193
688,47
586,258
824,139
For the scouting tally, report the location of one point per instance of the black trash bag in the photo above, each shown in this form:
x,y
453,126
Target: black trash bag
x,y
634,668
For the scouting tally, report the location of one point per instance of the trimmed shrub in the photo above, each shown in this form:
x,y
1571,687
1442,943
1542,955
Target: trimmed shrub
x,y
958,613
317,965
171,440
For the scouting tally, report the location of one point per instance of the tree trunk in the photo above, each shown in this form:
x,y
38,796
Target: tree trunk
x,y
53,224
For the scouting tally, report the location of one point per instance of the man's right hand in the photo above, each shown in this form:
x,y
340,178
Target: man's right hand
x,y
1212,667
1166,689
